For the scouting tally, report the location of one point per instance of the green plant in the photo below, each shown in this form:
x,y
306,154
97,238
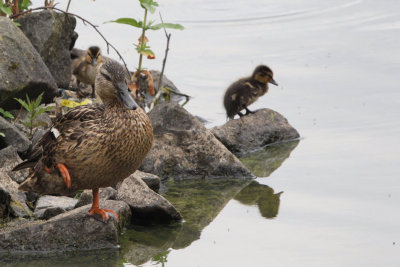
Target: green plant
x,y
142,47
8,7
34,109
5,114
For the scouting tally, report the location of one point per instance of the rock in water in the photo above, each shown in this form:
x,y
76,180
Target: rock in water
x,y
184,149
255,131
146,205
22,70
51,33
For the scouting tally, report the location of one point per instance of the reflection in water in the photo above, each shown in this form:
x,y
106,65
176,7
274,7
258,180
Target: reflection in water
x,y
261,195
262,163
199,203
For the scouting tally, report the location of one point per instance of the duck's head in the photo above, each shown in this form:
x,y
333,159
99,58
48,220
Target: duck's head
x,y
264,74
112,85
93,55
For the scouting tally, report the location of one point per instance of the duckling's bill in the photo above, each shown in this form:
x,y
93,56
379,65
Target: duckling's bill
x,y
126,97
272,81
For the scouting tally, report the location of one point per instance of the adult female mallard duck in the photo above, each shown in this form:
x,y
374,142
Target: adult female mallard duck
x,y
85,68
246,91
92,146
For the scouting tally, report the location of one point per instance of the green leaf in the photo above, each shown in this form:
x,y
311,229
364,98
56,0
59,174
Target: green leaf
x,y
166,25
23,103
6,114
128,21
2,134
149,5
6,10
24,4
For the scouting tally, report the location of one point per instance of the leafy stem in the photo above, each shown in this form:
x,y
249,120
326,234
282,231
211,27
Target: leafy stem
x,y
143,42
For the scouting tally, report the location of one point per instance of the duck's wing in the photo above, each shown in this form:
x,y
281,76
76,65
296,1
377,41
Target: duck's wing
x,y
66,128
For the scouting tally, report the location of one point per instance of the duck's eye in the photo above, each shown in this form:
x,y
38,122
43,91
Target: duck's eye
x,y
106,77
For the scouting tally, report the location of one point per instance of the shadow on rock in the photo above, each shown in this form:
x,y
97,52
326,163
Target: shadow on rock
x,y
261,195
262,163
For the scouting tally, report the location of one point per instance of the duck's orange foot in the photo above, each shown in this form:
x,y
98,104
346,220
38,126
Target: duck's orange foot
x,y
65,174
105,214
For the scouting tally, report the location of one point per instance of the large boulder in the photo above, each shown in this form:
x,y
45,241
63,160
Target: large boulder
x,y
22,70
71,231
50,206
184,149
51,33
255,131
151,180
146,205
13,136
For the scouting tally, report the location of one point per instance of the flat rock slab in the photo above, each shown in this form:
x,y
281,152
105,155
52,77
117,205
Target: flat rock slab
x,y
22,70
254,131
146,204
50,206
71,231
184,149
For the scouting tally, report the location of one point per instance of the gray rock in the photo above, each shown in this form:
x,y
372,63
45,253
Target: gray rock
x,y
50,206
146,205
151,180
255,131
14,137
51,33
71,231
22,70
86,197
8,160
184,149
12,201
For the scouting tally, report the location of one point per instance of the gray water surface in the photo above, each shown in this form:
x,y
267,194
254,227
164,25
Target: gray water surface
x,y
337,64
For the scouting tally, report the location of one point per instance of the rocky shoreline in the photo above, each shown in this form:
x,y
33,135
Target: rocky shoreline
x,y
183,149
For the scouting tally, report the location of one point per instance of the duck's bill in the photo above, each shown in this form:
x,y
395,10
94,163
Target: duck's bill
x,y
126,97
94,62
272,81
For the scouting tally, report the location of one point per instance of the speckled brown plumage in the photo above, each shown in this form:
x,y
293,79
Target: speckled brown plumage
x,y
99,144
246,91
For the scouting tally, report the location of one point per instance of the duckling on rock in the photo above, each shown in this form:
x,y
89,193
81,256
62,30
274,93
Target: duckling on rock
x,y
86,67
246,91
92,146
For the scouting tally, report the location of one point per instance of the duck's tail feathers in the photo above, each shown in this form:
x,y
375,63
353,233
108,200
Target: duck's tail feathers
x,y
24,165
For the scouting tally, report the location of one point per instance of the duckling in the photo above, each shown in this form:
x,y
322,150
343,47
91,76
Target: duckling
x,y
92,146
86,68
246,91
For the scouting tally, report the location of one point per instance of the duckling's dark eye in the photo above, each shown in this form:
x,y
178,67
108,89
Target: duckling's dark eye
x,y
106,77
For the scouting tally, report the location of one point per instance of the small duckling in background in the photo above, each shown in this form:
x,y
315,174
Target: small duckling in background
x,y
246,91
85,69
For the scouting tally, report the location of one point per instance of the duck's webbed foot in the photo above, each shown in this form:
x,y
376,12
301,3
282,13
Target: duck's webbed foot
x,y
248,111
64,173
105,214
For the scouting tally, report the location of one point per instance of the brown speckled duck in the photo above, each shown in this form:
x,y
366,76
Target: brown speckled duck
x,y
86,68
92,146
246,91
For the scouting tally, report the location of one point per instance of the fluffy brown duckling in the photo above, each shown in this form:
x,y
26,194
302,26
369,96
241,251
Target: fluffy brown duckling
x,y
86,67
92,146
246,91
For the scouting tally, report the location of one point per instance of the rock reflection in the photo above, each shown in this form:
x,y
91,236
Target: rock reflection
x,y
262,163
261,195
199,203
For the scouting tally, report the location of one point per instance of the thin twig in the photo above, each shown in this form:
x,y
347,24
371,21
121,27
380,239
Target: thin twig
x,y
165,57
84,22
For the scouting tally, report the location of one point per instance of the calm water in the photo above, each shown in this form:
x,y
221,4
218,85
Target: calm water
x,y
334,198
